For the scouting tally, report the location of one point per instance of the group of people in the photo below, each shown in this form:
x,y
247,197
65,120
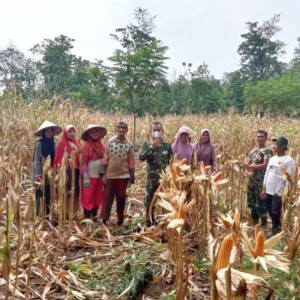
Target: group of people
x,y
273,171
105,171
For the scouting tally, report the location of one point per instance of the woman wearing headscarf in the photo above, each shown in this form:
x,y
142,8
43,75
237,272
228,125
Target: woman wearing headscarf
x,y
182,146
43,148
92,153
70,145
206,151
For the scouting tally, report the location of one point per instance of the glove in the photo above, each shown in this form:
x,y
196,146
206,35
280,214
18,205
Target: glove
x,y
131,175
86,180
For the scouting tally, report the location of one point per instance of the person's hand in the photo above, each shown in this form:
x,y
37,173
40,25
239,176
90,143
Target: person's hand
x,y
86,180
104,179
129,184
263,195
38,180
73,146
156,143
245,166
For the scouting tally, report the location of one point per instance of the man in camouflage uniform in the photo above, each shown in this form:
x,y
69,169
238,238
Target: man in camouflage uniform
x,y
157,153
258,162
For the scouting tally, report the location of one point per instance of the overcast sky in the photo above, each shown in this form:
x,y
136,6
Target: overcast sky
x,y
194,30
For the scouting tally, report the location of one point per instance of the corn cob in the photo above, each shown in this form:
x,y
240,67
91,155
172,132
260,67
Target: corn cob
x,y
181,213
236,216
202,168
182,162
226,223
217,177
174,173
224,253
284,169
207,169
173,185
259,244
235,239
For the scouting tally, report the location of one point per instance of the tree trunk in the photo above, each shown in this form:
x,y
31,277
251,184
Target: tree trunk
x,y
134,127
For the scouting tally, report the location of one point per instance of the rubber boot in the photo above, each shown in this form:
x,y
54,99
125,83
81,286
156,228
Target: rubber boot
x,y
94,212
87,214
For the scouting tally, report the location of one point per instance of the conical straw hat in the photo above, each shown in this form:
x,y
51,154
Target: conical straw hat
x,y
47,124
85,133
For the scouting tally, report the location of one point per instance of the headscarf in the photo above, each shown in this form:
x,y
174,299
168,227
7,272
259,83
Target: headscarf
x,y
48,146
63,144
205,151
93,149
183,149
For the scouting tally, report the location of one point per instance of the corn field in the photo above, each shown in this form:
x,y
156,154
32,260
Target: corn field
x,y
202,247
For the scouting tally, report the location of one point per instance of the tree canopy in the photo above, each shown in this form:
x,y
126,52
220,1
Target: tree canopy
x,y
138,82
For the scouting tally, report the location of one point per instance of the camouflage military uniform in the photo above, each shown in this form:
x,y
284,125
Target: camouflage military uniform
x,y
157,160
258,206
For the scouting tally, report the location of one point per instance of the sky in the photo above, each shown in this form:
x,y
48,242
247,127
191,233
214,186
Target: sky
x,y
195,31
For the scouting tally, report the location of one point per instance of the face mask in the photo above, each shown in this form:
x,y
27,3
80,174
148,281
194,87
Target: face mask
x,y
156,135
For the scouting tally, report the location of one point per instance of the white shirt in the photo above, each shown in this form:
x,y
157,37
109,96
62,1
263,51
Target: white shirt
x,y
274,176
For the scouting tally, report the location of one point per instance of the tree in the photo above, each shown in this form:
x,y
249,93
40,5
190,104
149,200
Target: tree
x,y
278,95
296,58
233,86
138,66
11,68
56,64
259,52
17,73
206,91
90,82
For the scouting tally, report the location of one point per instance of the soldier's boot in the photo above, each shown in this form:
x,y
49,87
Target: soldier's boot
x,y
254,216
263,220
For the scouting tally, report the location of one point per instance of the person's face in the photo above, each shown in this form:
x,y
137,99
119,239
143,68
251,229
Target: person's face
x,y
156,128
205,136
261,139
121,130
71,133
278,149
94,133
184,137
49,132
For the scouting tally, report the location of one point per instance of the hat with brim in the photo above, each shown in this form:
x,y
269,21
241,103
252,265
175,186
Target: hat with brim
x,y
46,124
85,133
282,141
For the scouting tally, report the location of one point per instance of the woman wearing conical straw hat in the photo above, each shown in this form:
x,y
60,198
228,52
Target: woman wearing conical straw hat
x,y
70,145
92,153
43,148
